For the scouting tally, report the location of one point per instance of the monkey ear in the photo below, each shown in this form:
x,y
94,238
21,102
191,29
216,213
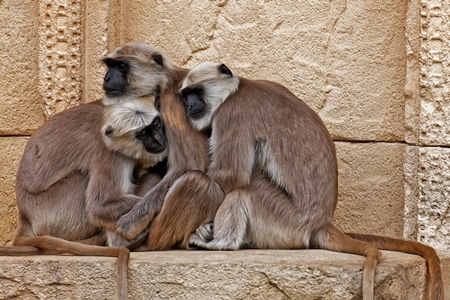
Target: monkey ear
x,y
109,130
158,59
225,70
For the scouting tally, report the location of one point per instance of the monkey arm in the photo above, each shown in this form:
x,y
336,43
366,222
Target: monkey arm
x,y
232,159
109,193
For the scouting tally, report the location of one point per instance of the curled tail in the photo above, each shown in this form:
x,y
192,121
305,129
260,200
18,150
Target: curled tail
x,y
427,252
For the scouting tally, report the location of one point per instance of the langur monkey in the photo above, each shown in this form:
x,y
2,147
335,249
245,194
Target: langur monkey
x,y
70,186
169,208
276,163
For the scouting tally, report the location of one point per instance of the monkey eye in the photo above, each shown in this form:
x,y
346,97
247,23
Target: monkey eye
x,y
156,122
122,66
141,134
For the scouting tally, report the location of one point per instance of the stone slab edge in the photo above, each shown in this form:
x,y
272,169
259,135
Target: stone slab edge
x,y
247,274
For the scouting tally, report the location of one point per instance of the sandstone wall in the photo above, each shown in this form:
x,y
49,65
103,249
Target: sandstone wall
x,y
375,71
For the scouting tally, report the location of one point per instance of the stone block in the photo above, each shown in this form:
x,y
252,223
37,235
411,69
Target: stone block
x,y
430,192
434,128
345,59
10,156
60,50
101,35
371,188
20,109
246,274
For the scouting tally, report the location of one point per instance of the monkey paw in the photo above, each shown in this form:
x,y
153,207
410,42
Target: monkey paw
x,y
130,228
206,232
195,242
202,236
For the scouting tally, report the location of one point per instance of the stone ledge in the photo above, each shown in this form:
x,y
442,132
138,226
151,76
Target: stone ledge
x,y
247,274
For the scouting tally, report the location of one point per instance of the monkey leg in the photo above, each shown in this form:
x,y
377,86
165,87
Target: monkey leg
x,y
335,240
230,223
192,200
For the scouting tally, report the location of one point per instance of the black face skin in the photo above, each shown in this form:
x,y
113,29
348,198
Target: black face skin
x,y
193,96
115,81
153,137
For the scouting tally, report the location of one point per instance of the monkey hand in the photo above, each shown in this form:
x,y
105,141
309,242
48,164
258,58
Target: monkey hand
x,y
133,223
129,228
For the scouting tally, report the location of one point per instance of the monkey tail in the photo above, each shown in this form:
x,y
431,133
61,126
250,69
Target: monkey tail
x,y
54,245
336,240
23,251
427,252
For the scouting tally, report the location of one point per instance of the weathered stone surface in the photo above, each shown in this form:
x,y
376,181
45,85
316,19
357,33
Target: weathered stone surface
x,y
20,102
101,35
248,274
412,191
346,59
10,155
60,33
371,188
412,89
433,180
434,72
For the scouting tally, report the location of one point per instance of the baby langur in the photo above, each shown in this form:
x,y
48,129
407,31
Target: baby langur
x,y
134,129
276,163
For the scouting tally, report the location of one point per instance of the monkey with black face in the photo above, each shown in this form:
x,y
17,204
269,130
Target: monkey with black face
x,y
276,163
72,187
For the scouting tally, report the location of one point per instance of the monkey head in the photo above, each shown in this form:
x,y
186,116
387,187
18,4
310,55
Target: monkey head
x,y
204,88
134,129
134,70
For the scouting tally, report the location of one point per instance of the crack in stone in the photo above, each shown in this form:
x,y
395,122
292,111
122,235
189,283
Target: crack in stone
x,y
275,285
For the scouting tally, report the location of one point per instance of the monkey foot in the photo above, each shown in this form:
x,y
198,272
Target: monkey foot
x,y
206,232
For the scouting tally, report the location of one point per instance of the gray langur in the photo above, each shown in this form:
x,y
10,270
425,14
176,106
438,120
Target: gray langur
x,y
275,161
71,187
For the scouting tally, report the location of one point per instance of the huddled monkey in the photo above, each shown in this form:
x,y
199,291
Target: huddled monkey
x,y
172,215
134,129
55,188
71,187
275,161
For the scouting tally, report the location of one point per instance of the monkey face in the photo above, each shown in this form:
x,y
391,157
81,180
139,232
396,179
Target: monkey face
x,y
153,137
204,88
195,105
134,128
115,81
134,70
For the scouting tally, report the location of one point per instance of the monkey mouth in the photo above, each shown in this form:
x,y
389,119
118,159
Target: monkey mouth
x,y
155,149
114,93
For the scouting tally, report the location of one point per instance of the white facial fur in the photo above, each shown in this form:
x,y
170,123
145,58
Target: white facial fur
x,y
217,88
123,120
